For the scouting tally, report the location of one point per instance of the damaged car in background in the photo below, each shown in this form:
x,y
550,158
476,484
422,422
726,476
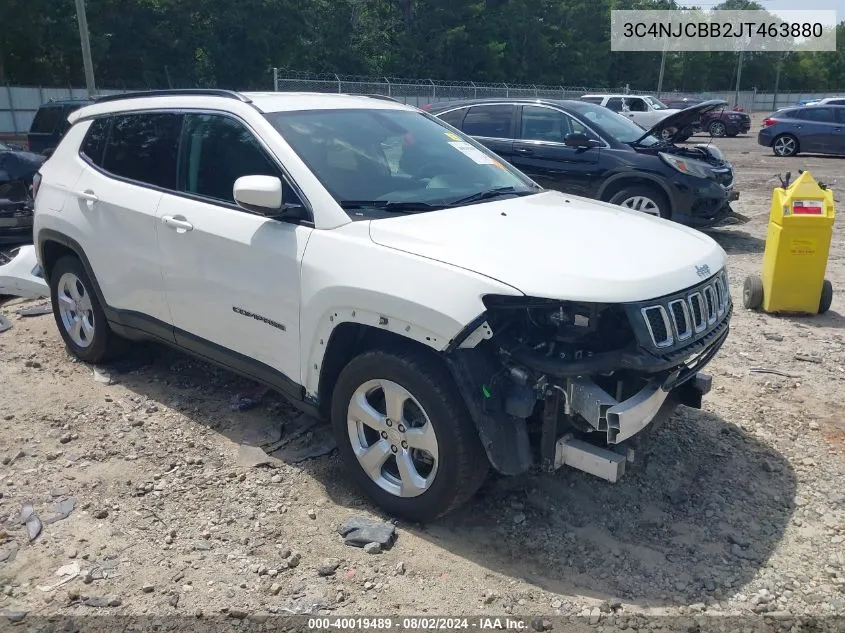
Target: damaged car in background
x,y
587,150
17,169
387,272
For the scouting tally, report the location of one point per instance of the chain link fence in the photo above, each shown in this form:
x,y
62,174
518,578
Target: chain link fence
x,y
418,92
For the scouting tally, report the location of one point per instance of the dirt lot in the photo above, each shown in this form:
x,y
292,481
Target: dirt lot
x,y
735,509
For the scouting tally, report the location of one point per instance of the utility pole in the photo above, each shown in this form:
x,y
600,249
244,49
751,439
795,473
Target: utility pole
x,y
781,59
738,75
86,47
662,66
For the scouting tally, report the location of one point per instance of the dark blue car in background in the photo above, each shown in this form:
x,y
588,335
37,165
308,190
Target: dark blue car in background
x,y
812,129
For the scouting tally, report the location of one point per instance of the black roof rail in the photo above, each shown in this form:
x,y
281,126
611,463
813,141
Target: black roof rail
x,y
382,97
180,92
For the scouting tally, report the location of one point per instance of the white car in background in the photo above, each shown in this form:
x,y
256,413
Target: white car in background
x,y
384,271
646,111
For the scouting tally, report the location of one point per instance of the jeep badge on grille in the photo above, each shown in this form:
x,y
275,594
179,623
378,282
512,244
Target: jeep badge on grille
x,y
703,271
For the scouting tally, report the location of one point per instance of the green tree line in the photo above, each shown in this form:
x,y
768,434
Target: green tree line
x,y
235,44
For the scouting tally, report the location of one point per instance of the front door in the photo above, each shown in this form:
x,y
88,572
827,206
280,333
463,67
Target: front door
x,y
232,277
541,153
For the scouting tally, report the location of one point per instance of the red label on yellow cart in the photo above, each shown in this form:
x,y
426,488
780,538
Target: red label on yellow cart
x,y
807,207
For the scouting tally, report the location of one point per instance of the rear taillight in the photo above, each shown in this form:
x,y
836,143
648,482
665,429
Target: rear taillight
x,y
36,182
769,122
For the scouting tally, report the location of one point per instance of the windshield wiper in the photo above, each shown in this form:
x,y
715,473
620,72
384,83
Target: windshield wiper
x,y
488,194
390,207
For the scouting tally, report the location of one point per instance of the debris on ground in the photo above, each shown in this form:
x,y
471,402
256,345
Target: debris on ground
x,y
30,519
361,532
253,456
305,438
102,376
63,510
9,554
775,372
5,324
249,398
39,310
66,573
807,358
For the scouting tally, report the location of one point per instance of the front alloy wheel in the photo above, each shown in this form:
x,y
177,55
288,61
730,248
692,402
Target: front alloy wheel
x,y
393,438
642,203
405,434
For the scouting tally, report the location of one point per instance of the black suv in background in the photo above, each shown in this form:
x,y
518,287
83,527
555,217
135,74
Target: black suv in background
x,y
50,124
584,149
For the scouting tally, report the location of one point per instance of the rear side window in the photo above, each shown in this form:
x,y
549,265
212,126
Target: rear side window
x,y
95,141
493,121
143,147
217,150
596,100
822,115
455,118
47,120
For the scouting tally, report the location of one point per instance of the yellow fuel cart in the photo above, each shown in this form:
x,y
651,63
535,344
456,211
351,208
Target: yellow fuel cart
x,y
797,246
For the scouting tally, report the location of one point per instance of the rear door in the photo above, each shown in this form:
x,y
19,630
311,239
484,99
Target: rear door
x,y
816,129
492,125
641,112
540,151
131,159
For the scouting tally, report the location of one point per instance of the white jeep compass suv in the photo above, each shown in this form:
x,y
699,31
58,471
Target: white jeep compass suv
x,y
384,271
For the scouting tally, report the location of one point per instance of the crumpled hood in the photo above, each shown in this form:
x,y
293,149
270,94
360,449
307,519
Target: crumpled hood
x,y
557,246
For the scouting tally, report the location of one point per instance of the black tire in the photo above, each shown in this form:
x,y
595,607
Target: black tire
x,y
785,149
827,297
462,463
717,129
644,191
105,344
752,293
732,134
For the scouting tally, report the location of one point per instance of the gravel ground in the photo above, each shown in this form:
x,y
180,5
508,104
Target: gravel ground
x,y
736,509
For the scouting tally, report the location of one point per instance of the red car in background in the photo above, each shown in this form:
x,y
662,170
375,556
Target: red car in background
x,y
718,122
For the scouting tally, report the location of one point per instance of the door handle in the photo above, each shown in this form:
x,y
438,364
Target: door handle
x,y
523,150
181,225
87,195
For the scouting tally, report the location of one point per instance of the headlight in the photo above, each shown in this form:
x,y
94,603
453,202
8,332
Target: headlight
x,y
688,166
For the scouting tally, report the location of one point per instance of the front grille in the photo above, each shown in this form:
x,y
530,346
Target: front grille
x,y
686,315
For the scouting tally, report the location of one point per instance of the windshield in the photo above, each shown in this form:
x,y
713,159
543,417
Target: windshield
x,y
656,103
397,158
619,127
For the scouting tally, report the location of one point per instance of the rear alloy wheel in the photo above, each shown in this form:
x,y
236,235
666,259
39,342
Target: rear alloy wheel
x,y
644,199
717,128
78,313
406,435
785,145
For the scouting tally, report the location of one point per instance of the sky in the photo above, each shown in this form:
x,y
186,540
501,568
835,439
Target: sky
x,y
774,5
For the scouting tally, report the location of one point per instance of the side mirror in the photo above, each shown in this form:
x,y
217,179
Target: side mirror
x,y
579,140
263,196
